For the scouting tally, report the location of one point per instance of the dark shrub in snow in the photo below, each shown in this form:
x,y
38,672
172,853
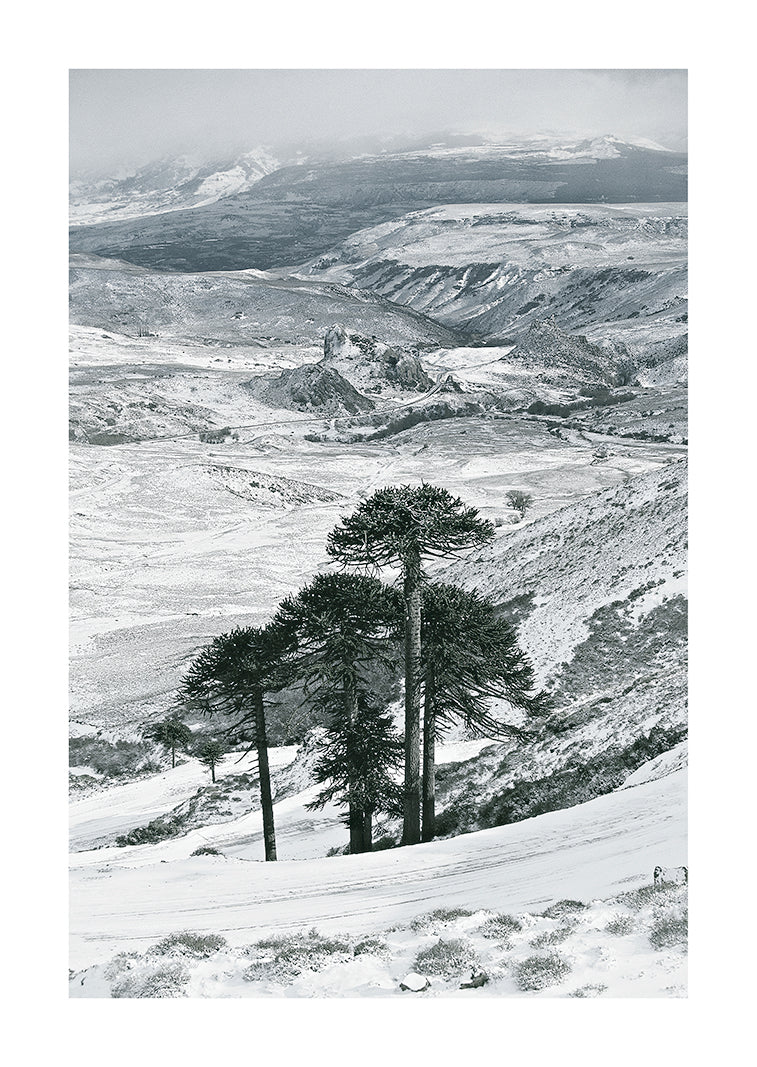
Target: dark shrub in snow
x,y
499,927
670,930
167,980
445,958
538,972
186,943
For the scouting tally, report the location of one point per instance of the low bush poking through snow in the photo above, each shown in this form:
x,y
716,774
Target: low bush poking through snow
x,y
121,963
650,895
499,927
446,959
589,990
622,924
539,972
186,943
206,850
372,946
551,937
563,908
670,931
440,916
158,980
284,958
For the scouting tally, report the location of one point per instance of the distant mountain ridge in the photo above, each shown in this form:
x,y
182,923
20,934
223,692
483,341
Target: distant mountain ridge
x,y
294,213
171,184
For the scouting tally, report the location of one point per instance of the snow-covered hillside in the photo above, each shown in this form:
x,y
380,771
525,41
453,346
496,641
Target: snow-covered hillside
x,y
166,185
125,899
611,271
251,308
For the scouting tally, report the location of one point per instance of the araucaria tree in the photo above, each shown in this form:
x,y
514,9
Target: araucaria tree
x,y
469,656
400,526
355,767
171,733
210,752
232,677
342,628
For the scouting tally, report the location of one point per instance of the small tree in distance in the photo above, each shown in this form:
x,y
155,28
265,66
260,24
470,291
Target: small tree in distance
x,y
171,733
520,501
210,752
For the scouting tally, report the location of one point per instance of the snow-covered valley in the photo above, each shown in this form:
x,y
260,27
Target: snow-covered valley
x,y
221,425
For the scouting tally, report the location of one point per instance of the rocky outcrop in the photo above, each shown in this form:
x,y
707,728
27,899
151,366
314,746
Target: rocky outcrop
x,y
549,346
372,365
335,342
404,370
315,387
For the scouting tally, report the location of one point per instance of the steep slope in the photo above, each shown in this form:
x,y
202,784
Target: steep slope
x,y
546,346
614,272
598,591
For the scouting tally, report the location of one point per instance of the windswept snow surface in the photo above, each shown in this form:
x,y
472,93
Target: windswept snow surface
x,y
121,900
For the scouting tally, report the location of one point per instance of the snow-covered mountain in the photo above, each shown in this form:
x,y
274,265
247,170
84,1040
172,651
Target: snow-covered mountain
x,y
169,184
296,213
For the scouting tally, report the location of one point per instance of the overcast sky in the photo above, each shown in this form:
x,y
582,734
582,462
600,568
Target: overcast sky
x,y
129,117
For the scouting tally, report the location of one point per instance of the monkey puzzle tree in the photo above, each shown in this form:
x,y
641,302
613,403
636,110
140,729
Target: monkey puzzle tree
x,y
355,766
171,733
469,656
210,752
339,627
231,677
399,526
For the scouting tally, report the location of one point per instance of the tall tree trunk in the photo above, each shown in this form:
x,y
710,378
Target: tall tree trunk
x,y
411,829
356,829
350,711
429,755
212,772
173,755
367,831
266,800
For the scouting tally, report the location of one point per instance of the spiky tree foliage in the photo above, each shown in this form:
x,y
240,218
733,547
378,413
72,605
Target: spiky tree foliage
x,y
210,752
356,763
171,733
232,677
399,526
341,625
469,656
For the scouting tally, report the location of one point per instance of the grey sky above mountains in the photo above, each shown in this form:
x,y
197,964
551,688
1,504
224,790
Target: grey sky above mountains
x,y
122,118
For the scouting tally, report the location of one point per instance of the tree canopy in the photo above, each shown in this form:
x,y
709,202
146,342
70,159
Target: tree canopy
x,y
474,655
171,732
399,522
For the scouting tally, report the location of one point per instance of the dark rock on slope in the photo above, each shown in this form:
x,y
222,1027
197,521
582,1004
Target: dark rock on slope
x,y
545,344
315,387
